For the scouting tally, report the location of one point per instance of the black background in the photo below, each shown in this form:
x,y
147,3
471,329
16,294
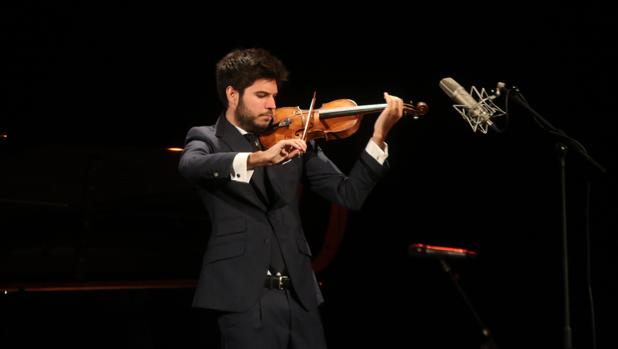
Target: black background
x,y
92,94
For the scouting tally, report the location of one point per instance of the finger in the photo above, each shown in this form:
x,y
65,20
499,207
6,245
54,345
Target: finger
x,y
298,147
298,144
302,145
392,104
399,103
291,142
395,105
284,144
293,153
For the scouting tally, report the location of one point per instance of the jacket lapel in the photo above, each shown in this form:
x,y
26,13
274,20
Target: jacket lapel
x,y
238,143
284,179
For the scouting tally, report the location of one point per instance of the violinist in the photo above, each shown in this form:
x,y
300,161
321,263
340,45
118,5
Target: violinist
x,y
256,277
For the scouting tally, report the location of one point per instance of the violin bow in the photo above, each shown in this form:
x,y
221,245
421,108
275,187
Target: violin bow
x,y
309,115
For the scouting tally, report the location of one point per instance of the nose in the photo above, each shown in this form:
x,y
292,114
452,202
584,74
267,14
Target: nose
x,y
270,103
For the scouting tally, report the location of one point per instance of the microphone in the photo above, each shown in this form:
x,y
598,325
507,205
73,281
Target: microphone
x,y
422,250
477,113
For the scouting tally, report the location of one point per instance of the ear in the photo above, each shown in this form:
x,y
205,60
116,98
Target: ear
x,y
232,96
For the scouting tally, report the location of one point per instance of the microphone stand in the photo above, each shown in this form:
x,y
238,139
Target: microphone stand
x,y
489,343
562,147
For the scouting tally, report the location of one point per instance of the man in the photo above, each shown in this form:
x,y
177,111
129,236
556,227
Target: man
x,y
257,272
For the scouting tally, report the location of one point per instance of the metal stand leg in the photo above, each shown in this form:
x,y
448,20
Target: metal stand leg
x,y
489,341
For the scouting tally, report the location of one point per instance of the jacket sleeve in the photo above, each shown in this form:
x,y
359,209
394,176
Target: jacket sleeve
x,y
350,191
200,162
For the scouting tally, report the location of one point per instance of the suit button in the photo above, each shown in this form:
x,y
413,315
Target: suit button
x,y
216,174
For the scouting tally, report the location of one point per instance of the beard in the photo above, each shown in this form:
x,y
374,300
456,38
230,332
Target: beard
x,y
248,121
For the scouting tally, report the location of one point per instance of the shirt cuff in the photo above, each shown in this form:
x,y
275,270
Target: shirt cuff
x,y
240,173
376,152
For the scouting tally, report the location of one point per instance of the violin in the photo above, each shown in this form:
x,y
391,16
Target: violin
x,y
334,120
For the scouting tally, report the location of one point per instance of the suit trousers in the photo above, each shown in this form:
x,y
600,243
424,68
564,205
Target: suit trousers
x,y
276,321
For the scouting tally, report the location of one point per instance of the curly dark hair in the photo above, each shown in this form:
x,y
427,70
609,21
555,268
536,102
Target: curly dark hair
x,y
242,67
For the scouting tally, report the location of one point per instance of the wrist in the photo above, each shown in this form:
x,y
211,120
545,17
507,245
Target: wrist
x,y
254,160
378,140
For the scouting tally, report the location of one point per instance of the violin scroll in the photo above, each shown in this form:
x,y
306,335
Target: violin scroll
x,y
415,111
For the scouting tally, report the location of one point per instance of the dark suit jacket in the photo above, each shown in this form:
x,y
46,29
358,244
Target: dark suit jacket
x,y
238,251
